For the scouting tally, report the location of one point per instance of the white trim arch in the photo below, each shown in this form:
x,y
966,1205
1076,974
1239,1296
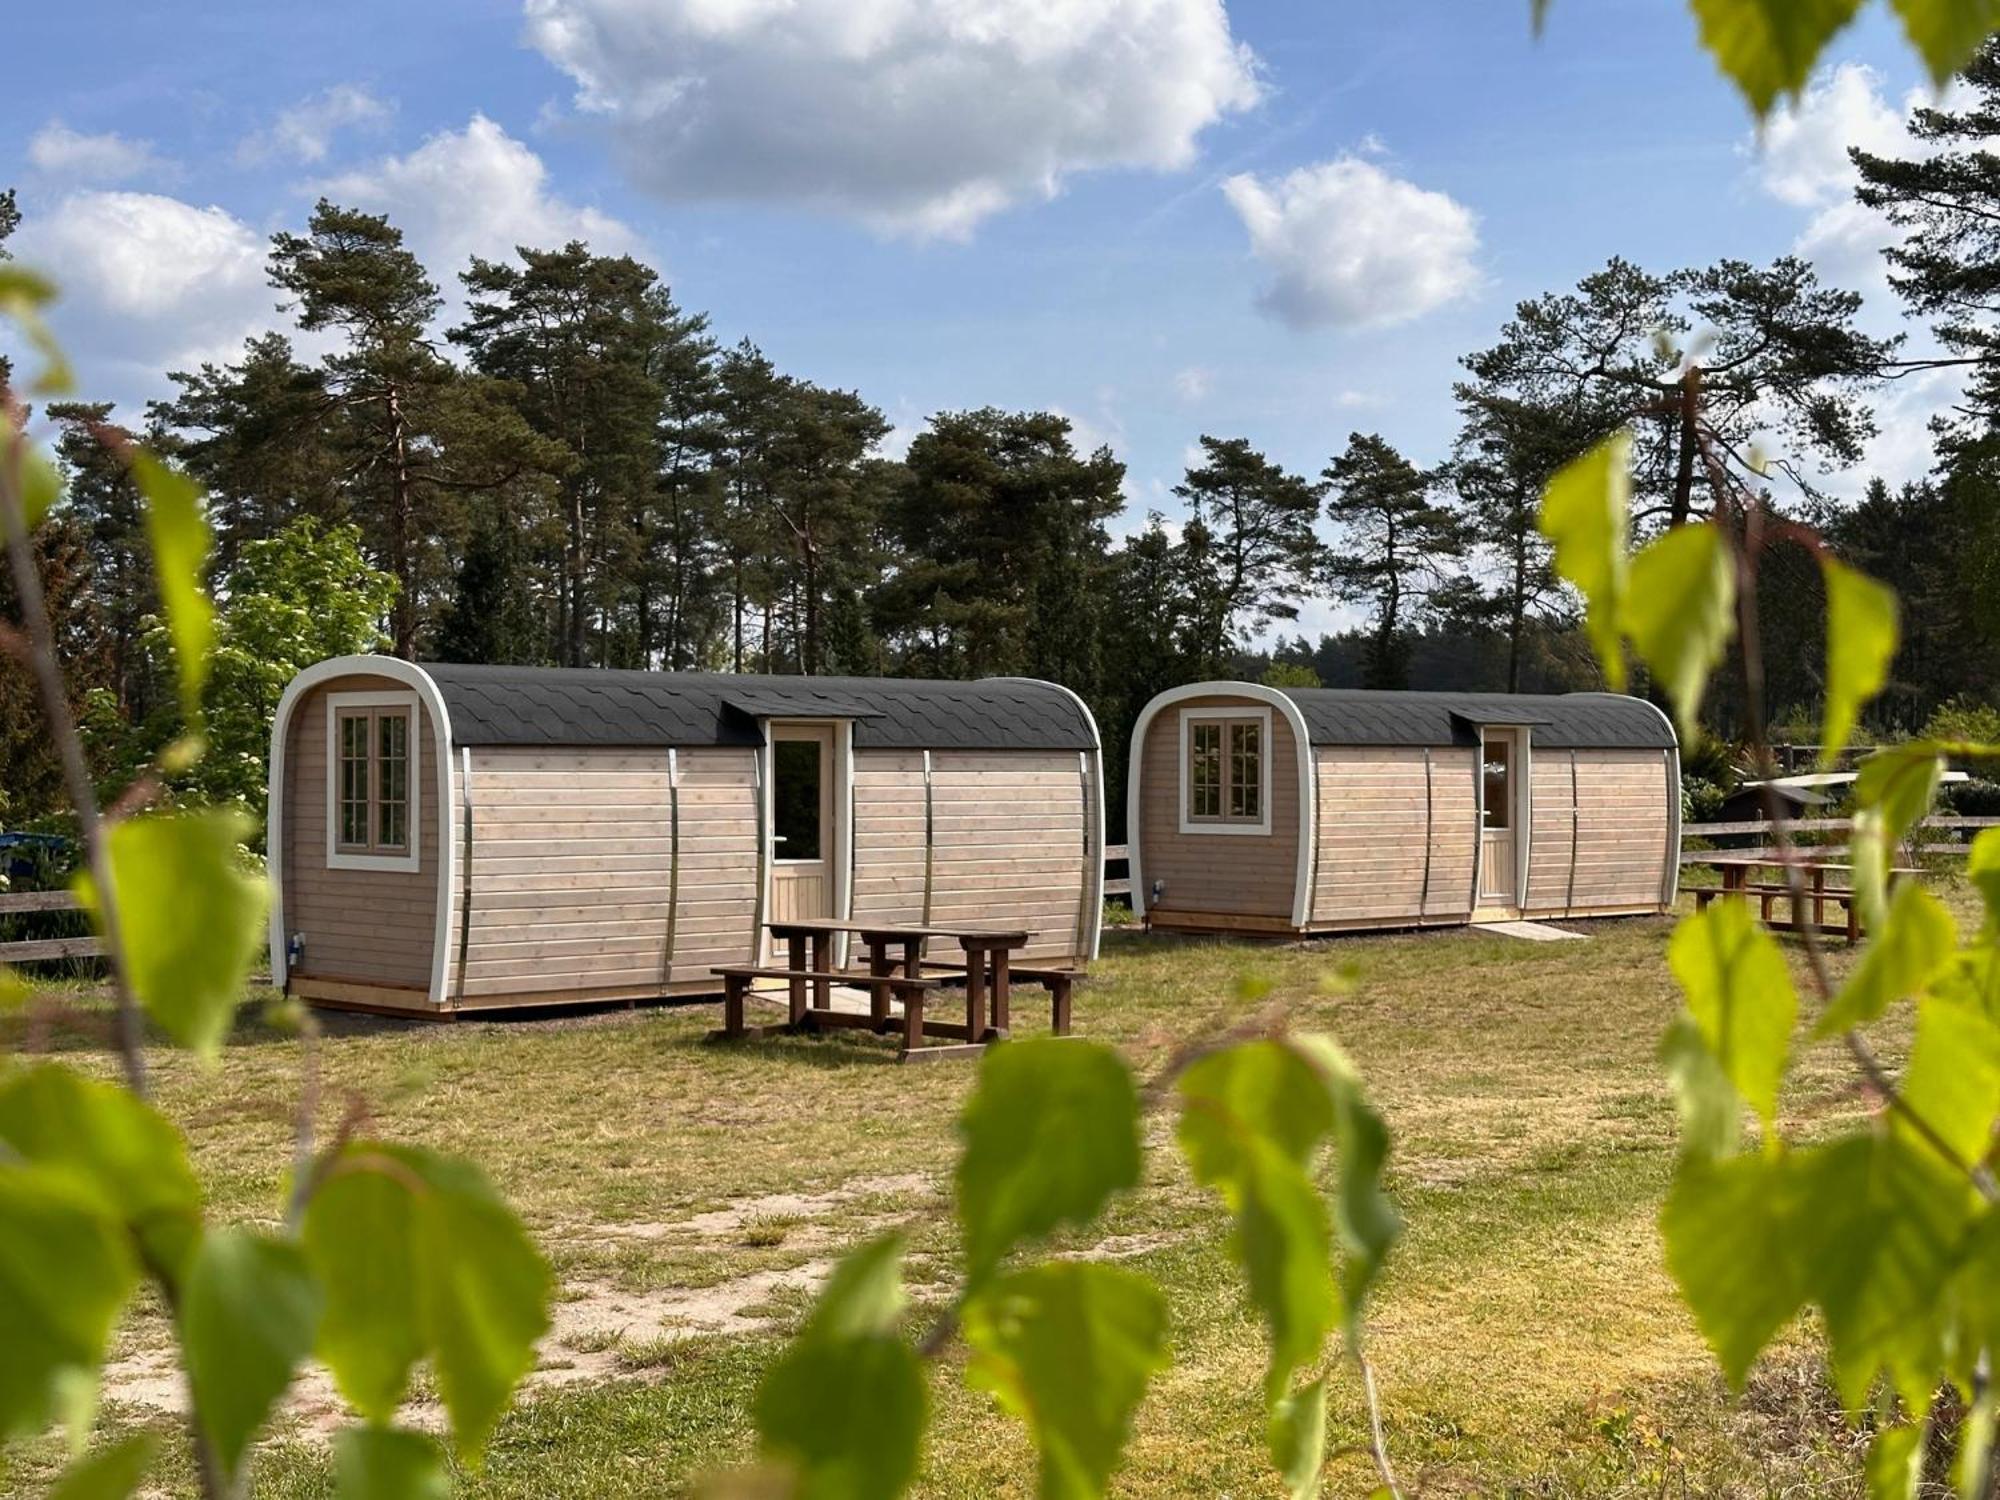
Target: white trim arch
x,y
427,694
1095,874
1308,784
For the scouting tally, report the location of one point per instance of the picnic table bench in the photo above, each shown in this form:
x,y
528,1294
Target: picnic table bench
x,y
1736,870
895,971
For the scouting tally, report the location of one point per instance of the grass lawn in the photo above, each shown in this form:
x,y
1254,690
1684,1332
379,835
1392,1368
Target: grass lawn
x,y
1526,1336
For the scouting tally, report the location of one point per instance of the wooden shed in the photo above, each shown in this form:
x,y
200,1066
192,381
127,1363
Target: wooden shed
x,y
450,838
1263,809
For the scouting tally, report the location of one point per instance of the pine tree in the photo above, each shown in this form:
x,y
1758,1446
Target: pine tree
x,y
1394,549
1254,541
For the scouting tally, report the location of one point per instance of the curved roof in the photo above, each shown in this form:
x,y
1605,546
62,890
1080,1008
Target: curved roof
x,y
585,706
1558,721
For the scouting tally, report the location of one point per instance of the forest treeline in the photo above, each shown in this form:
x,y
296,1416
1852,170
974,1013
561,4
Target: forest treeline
x,y
577,471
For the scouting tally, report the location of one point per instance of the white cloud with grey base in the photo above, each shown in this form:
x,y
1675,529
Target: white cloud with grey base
x,y
475,191
916,117
149,283
1346,244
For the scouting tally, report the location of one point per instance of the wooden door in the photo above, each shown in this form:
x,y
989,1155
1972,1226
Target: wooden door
x,y
802,821
1500,771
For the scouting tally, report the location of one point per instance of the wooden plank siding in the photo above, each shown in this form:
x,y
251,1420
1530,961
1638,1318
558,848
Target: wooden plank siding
x,y
1622,820
572,870
373,926
1229,875
1378,805
888,884
1008,847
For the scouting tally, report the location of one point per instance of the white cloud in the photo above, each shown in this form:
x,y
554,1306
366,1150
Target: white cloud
x,y
915,116
305,132
1193,383
1801,160
150,283
475,191
1349,246
1802,151
57,151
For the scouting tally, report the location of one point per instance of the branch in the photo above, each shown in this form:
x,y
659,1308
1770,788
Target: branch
x,y
47,669
1378,1447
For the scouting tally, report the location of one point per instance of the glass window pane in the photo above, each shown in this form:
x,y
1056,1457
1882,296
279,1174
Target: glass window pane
x,y
392,762
1498,790
1246,770
1205,770
354,780
795,799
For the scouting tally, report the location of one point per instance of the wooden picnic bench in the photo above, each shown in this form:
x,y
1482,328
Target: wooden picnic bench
x,y
895,971
1736,870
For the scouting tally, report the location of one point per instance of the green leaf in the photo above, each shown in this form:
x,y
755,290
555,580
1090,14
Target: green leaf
x,y
388,1463
1861,636
1878,1226
1728,1234
180,534
247,1315
1680,612
1916,940
1051,1132
1768,47
23,295
479,1287
1977,1284
190,919
65,1273
41,485
1740,994
845,1406
1895,1463
1982,868
1952,1082
1297,1438
1251,1116
1892,792
1710,1108
1068,1347
1587,515
111,1473
1364,1219
116,1142
1947,33
360,1235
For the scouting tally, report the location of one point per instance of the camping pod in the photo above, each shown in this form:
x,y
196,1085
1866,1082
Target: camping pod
x,y
452,838
1259,809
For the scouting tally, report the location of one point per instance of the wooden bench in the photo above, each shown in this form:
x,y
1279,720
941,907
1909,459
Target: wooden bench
x,y
738,978
1768,894
1057,981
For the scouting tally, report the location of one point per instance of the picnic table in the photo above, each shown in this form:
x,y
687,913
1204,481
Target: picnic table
x,y
895,971
1736,870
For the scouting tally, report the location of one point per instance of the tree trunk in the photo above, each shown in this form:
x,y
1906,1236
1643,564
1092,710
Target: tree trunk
x,y
401,519
1690,405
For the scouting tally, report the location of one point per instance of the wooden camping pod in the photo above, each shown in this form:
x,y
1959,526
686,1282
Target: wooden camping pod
x,y
1298,810
446,838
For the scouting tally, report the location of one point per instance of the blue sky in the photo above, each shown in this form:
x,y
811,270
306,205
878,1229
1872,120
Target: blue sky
x,y
1086,205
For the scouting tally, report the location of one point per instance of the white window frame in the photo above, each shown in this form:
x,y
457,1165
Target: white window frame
x,y
343,859
1189,718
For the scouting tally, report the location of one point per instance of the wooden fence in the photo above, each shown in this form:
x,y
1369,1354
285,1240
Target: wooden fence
x,y
1119,884
39,949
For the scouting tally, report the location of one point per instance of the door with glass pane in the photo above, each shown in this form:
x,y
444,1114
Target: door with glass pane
x,y
1499,807
801,825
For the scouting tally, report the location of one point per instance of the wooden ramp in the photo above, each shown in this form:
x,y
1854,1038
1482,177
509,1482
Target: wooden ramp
x,y
1532,932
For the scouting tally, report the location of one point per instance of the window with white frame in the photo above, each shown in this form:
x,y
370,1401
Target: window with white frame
x,y
371,781
1225,771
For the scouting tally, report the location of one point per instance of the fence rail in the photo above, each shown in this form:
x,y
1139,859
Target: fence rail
x,y
1117,885
1825,825
32,950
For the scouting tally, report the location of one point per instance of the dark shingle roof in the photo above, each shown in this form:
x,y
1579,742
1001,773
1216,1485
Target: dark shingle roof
x,y
579,706
1559,721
